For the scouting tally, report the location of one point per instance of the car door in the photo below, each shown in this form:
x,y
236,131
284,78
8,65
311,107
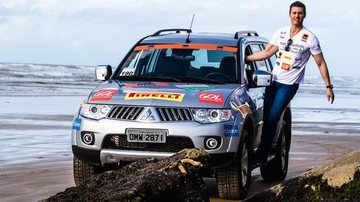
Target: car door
x,y
256,93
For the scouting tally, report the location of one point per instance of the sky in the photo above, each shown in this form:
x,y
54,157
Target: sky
x,y
97,32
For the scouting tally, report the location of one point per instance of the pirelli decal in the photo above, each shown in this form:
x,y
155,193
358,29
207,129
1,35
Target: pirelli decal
x,y
187,46
176,97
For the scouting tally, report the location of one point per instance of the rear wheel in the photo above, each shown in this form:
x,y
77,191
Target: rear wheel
x,y
82,170
276,170
233,181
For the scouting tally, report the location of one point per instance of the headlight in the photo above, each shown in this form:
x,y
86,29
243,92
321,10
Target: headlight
x,y
94,111
211,115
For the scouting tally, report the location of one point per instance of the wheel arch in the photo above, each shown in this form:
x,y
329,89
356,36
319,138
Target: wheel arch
x,y
248,125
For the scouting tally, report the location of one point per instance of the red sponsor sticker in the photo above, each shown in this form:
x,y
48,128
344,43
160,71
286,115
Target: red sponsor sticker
x,y
285,66
104,94
211,98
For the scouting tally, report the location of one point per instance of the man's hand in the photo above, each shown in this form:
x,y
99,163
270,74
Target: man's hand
x,y
330,95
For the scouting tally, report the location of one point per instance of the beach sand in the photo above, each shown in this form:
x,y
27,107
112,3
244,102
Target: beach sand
x,y
41,176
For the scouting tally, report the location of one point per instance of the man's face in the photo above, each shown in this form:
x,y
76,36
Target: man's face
x,y
297,16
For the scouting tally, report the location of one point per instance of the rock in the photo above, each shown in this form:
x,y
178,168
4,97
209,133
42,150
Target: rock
x,y
171,179
338,180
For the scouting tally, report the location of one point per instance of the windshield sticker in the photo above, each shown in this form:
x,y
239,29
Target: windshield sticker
x,y
176,97
152,84
76,124
231,131
187,46
104,94
211,98
127,71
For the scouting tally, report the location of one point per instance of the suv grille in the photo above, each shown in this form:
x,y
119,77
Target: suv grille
x,y
125,112
173,144
174,114
165,114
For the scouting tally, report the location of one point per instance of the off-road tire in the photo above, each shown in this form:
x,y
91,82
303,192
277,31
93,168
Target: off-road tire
x,y
231,182
82,170
276,170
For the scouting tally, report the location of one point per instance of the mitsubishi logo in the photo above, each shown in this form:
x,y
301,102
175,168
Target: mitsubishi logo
x,y
148,115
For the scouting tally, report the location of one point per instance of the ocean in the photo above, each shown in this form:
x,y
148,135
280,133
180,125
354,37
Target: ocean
x,y
38,102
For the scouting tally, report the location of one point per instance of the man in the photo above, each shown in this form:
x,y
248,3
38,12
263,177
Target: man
x,y
294,45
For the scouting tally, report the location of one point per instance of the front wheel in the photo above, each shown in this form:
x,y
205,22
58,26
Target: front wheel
x,y
233,181
276,170
83,170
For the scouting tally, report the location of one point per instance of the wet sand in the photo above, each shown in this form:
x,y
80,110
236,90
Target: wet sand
x,y
41,176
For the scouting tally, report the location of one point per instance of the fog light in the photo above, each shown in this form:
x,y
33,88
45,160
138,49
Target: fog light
x,y
212,143
88,138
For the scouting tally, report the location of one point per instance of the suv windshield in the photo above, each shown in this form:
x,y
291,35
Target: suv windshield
x,y
200,63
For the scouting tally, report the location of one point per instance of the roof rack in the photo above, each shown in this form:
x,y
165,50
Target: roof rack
x,y
249,33
171,30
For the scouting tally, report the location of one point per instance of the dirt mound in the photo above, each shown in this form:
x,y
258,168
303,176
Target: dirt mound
x,y
338,180
172,179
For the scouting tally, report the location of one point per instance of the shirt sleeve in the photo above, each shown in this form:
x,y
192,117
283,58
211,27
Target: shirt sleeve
x,y
315,48
275,38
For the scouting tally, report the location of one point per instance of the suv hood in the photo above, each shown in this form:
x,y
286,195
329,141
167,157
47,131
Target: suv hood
x,y
162,94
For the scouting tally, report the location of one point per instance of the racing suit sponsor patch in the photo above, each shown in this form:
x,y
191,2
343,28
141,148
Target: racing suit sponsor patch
x,y
285,66
304,37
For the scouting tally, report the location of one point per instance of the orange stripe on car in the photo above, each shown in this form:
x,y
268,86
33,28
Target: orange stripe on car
x,y
187,46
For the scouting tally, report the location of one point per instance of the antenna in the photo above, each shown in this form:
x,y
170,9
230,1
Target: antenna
x,y
188,36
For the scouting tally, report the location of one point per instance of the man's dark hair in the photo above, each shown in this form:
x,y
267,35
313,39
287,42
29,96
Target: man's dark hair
x,y
298,4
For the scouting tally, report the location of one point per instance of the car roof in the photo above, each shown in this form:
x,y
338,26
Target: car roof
x,y
196,38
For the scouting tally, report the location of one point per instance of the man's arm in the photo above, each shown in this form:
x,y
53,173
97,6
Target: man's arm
x,y
262,55
320,61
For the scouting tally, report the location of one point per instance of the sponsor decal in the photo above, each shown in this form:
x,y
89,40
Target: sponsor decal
x,y
128,71
277,63
195,87
231,131
153,84
211,98
304,37
283,32
104,94
198,88
176,97
280,54
285,66
298,59
76,124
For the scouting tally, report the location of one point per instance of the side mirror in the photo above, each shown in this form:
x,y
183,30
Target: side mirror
x,y
262,78
103,73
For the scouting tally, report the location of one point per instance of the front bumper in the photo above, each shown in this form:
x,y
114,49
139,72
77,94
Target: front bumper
x,y
108,156
99,154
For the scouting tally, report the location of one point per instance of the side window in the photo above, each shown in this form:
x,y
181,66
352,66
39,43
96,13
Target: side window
x,y
271,61
260,65
249,68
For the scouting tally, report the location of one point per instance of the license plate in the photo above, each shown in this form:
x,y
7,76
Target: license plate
x,y
146,135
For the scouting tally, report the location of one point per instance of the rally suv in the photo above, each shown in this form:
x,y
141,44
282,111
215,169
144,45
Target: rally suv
x,y
176,89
